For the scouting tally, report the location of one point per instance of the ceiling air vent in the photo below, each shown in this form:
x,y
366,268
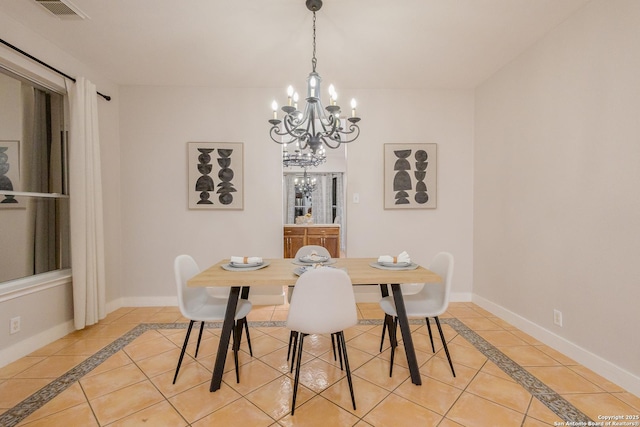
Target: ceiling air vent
x,y
63,9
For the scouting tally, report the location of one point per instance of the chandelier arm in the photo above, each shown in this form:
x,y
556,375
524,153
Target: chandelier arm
x,y
325,140
353,130
274,130
336,137
292,128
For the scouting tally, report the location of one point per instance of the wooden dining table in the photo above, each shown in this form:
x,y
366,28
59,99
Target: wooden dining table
x,y
280,271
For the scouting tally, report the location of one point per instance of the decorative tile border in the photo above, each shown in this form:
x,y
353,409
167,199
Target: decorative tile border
x,y
552,400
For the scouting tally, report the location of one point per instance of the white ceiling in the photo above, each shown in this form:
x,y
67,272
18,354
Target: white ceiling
x,y
267,43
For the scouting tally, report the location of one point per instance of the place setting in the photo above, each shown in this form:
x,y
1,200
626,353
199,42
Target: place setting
x,y
239,263
313,258
399,262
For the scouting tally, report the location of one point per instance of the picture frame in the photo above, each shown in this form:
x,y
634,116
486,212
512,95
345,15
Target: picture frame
x,y
10,174
410,176
215,175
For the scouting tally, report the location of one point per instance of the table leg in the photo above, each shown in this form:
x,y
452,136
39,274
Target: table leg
x,y
384,290
225,336
406,334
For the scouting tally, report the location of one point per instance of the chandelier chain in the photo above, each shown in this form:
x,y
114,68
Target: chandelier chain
x,y
314,60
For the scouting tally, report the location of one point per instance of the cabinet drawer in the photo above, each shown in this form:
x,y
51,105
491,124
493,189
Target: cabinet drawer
x,y
323,231
294,231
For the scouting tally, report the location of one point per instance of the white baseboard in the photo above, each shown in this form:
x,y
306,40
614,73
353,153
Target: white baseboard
x,y
171,301
35,342
603,367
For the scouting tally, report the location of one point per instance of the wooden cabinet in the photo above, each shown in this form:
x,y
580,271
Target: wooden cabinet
x,y
300,235
294,239
327,237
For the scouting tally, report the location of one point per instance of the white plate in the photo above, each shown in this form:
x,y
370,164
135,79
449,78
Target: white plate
x,y
299,271
299,261
394,264
391,266
314,258
247,265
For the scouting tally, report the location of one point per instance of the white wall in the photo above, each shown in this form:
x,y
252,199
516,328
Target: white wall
x,y
557,223
414,116
157,122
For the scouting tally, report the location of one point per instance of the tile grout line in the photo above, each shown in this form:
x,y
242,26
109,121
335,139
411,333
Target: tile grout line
x,y
552,400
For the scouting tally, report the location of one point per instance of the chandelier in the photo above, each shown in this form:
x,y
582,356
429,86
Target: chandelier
x,y
302,159
314,128
305,185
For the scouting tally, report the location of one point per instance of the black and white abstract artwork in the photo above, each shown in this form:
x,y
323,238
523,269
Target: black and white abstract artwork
x,y
10,173
215,175
410,176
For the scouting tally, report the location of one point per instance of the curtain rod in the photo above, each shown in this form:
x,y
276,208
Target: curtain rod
x,y
17,49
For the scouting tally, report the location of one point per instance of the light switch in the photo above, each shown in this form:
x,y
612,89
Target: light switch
x,y
356,197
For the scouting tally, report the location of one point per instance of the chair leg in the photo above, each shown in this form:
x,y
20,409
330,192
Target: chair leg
x,y
290,342
333,346
393,338
184,348
384,329
430,336
297,377
444,343
246,328
237,333
295,344
199,337
343,344
339,350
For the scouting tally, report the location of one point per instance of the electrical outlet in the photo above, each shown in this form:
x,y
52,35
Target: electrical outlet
x,y
14,325
557,317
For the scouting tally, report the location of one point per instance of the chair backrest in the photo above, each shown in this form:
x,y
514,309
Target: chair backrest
x,y
442,265
323,302
306,250
189,299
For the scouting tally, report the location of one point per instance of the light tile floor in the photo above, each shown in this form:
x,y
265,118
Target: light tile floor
x,y
120,372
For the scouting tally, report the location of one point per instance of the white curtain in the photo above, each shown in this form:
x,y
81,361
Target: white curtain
x,y
321,199
85,191
290,198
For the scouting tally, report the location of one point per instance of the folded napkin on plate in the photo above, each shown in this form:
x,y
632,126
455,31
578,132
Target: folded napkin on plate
x,y
314,256
246,259
403,257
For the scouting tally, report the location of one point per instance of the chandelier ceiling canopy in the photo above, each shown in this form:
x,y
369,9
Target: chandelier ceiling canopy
x,y
316,127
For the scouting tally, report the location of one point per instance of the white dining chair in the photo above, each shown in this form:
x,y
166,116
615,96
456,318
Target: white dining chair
x,y
303,251
323,303
430,301
206,305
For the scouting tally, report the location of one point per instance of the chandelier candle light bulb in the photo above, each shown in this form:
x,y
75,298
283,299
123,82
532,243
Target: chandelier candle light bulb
x,y
289,94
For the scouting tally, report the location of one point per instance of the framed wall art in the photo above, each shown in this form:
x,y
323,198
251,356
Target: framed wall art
x,y
215,175
410,172
10,173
